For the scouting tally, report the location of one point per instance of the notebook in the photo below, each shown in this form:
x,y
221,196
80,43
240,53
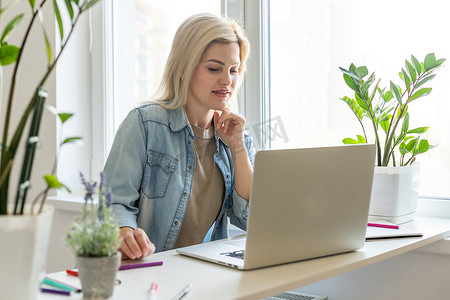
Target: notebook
x,y
405,230
304,203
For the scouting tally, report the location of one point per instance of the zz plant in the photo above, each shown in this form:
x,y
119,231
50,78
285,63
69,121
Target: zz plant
x,y
387,109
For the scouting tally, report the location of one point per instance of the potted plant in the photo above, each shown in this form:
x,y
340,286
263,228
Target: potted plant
x,y
385,112
24,233
95,243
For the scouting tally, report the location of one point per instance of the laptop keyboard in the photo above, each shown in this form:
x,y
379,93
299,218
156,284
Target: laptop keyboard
x,y
236,254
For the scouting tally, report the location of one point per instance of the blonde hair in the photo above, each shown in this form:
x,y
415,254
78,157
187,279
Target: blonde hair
x,y
191,40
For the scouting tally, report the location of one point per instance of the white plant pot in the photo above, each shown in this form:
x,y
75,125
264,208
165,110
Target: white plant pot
x,y
23,252
394,193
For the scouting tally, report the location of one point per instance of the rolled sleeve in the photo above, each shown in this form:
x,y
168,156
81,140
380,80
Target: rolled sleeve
x,y
239,214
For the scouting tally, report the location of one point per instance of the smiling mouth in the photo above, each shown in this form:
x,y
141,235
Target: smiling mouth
x,y
221,93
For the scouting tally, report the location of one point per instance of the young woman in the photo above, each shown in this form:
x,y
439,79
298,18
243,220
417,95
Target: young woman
x,y
181,166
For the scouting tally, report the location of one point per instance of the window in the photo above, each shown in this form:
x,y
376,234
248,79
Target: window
x,y
308,40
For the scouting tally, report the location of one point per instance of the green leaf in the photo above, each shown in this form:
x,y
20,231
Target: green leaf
x,y
71,140
396,92
361,139
416,64
349,141
420,93
425,80
423,147
411,70
406,80
411,144
357,110
8,54
48,47
430,62
350,82
69,8
405,124
32,2
11,25
361,102
418,130
387,96
384,123
53,182
439,62
362,72
64,117
366,85
349,73
58,19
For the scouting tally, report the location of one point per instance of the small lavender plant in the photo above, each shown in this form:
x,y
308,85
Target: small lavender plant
x,y
92,236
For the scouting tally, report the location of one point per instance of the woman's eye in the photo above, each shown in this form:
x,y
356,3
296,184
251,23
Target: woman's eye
x,y
234,71
213,69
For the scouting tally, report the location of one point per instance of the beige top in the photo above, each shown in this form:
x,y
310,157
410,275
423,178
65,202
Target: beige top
x,y
207,190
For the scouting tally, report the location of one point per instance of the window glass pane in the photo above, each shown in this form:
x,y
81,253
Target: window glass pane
x,y
309,40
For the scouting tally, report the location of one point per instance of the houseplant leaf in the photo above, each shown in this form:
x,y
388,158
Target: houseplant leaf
x,y
8,28
406,80
423,146
64,117
416,64
396,92
411,70
58,19
420,93
71,140
53,182
429,62
350,82
8,54
425,80
418,130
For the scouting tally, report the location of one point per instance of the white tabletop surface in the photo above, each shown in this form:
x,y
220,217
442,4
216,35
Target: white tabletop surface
x,y
211,281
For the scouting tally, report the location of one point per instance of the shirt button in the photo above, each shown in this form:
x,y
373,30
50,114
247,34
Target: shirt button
x,y
184,194
189,167
176,222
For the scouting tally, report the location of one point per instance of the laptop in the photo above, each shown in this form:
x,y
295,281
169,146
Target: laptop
x,y
304,203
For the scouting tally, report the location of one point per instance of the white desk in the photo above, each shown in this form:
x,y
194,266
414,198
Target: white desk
x,y
212,281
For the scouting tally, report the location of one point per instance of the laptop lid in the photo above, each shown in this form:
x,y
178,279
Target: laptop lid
x,y
305,203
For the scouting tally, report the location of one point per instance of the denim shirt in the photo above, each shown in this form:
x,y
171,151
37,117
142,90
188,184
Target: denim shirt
x,y
150,170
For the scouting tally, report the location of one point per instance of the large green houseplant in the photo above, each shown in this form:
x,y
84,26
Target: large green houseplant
x,y
385,113
12,56
387,109
25,237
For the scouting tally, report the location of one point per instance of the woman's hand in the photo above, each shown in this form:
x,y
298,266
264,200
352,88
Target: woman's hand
x,y
135,243
230,126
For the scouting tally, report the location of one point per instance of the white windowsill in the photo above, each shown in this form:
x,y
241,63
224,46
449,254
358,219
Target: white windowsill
x,y
425,208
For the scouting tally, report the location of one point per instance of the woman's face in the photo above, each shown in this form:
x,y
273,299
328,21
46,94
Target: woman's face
x,y
215,78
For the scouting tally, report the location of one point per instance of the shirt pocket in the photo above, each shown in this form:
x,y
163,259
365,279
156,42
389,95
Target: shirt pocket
x,y
159,169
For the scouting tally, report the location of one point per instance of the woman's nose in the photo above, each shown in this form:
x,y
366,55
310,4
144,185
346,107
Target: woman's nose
x,y
226,79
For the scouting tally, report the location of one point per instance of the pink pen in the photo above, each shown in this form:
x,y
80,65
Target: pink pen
x,y
153,291
382,225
